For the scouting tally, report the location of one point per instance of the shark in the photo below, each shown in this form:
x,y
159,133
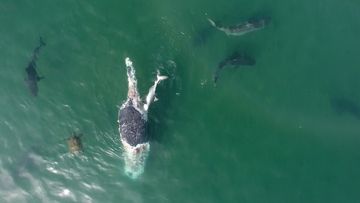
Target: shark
x,y
32,77
235,60
250,25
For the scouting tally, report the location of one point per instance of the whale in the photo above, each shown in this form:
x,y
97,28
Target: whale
x,y
32,77
235,60
250,25
133,123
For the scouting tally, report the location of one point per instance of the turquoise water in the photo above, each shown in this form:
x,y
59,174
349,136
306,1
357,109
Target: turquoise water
x,y
270,133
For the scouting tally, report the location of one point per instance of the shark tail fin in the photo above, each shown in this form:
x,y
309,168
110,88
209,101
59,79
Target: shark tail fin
x,y
212,22
42,43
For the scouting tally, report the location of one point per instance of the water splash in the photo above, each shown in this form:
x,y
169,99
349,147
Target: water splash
x,y
135,158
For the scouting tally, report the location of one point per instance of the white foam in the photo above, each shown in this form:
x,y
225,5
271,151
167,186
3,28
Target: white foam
x,y
135,158
128,62
65,192
131,73
133,93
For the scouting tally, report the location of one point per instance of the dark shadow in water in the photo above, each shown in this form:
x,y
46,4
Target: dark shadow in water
x,y
235,60
345,106
202,36
157,120
27,163
34,158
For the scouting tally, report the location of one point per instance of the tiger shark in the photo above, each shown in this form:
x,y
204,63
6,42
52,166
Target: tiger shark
x,y
32,77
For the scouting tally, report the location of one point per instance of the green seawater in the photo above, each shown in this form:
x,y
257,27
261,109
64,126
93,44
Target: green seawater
x,y
267,133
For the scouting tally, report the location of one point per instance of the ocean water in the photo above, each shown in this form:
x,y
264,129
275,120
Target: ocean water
x,y
284,130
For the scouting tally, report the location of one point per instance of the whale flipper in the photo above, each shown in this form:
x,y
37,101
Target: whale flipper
x,y
212,22
151,95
